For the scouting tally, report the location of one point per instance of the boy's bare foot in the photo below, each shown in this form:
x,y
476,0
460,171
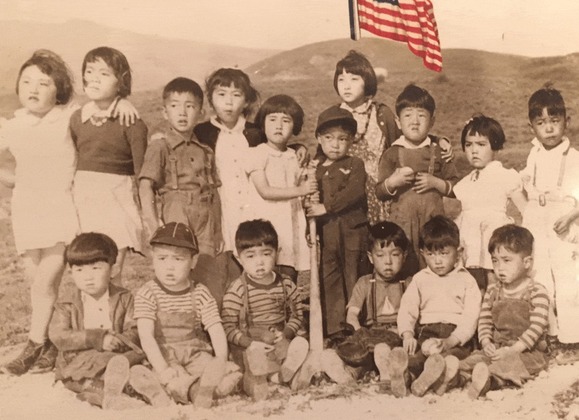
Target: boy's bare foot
x,y
148,385
397,369
381,356
434,368
296,355
481,381
450,375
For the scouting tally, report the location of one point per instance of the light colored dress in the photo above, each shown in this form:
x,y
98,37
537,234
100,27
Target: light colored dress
x,y
43,212
484,195
287,216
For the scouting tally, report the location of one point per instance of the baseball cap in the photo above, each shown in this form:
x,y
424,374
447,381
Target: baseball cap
x,y
336,116
175,234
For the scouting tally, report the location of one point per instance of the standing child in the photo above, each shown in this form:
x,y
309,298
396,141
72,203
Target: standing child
x,y
484,194
277,185
513,318
550,180
412,174
109,154
342,219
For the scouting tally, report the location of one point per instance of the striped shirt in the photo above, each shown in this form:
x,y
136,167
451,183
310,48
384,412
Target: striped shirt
x,y
266,305
539,301
152,297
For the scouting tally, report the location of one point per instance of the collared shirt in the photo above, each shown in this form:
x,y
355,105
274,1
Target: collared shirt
x,y
96,311
91,109
403,141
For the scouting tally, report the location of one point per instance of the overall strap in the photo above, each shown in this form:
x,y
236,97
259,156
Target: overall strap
x,y
561,168
287,309
174,185
196,320
432,158
245,320
373,301
401,157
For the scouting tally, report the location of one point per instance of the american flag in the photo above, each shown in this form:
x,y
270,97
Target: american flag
x,y
410,21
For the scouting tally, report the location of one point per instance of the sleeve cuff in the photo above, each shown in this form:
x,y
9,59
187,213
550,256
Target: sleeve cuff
x,y
95,338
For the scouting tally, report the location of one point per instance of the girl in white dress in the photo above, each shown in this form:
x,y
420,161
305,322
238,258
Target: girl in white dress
x,y
484,194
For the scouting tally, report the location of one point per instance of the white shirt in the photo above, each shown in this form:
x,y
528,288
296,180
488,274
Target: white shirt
x,y
96,312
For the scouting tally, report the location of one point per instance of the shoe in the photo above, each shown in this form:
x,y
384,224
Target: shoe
x,y
46,360
146,383
481,381
255,386
116,377
25,360
567,356
211,377
296,355
255,361
229,384
334,367
381,356
434,368
397,370
450,376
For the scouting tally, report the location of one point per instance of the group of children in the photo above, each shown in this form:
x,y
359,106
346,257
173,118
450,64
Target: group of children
x,y
224,205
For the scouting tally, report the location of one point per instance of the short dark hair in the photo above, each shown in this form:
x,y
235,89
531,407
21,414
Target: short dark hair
x,y
386,233
183,85
53,66
415,97
281,104
486,127
437,233
89,248
356,63
547,97
117,61
514,238
227,77
255,233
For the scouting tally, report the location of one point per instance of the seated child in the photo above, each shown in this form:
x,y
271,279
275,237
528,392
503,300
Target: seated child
x,y
179,324
262,312
442,303
94,331
374,304
513,318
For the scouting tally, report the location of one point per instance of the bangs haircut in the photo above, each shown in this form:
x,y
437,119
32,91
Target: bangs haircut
x,y
226,77
253,233
415,97
53,66
117,61
438,233
283,104
513,238
485,127
547,98
89,248
385,233
356,63
183,85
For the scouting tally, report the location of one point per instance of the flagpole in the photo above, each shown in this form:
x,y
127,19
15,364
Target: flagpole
x,y
354,22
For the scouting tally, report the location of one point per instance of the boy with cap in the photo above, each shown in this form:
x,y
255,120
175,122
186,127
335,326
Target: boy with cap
x,y
179,324
342,215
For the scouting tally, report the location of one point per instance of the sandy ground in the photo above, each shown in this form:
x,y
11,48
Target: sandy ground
x,y
37,397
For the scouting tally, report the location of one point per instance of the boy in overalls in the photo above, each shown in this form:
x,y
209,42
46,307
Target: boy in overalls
x,y
179,324
513,318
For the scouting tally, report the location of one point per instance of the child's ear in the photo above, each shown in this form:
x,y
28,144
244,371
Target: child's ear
x,y
165,115
397,122
370,257
432,120
460,255
194,260
531,127
567,121
404,255
528,262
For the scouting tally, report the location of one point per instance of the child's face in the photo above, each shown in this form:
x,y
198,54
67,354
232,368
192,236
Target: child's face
x,y
351,88
335,142
510,267
415,124
549,129
278,129
172,266
100,82
478,151
92,279
441,261
182,110
36,91
258,261
387,260
229,103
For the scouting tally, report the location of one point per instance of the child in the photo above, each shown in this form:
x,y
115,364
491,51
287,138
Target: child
x,y
442,302
93,325
109,155
182,172
262,312
412,174
484,193
550,180
276,189
343,223
179,324
513,318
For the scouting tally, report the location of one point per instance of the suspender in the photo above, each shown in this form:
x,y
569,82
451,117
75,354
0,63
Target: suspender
x,y
245,317
374,299
196,320
174,185
430,163
561,168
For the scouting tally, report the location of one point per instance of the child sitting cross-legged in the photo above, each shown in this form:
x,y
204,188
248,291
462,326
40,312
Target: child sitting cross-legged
x,y
262,312
94,331
179,324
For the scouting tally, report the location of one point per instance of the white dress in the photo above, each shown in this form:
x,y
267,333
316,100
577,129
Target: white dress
x,y
484,199
43,212
287,216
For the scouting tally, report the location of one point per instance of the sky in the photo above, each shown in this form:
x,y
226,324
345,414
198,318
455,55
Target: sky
x,y
525,27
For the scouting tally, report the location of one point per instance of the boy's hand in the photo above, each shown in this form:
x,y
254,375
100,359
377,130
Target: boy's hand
x,y
278,336
562,224
489,349
126,112
400,178
315,210
449,343
309,186
409,343
260,345
424,182
111,343
446,152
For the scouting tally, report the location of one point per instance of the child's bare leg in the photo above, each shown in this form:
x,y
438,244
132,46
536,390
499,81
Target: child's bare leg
x,y
117,270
